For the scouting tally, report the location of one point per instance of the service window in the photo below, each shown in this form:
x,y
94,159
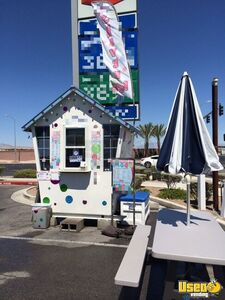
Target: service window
x,y
75,147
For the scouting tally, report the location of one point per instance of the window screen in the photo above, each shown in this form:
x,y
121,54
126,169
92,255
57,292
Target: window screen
x,y
42,135
111,135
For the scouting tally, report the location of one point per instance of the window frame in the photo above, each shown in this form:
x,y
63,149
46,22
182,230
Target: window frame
x,y
65,147
43,138
110,148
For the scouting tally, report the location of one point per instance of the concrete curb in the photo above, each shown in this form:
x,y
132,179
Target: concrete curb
x,y
19,197
9,181
170,204
26,195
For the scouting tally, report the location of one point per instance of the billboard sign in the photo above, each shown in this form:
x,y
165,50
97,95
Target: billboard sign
x,y
94,76
91,57
97,86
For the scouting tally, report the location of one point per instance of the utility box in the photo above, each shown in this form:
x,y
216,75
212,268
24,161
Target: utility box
x,y
142,208
41,215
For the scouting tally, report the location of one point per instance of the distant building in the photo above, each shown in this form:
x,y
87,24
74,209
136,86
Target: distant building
x,y
23,154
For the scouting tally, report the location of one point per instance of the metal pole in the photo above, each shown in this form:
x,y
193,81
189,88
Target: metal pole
x,y
14,132
188,200
134,190
15,138
222,211
215,137
75,47
134,204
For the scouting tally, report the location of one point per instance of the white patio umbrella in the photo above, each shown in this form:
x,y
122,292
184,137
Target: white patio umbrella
x,y
187,147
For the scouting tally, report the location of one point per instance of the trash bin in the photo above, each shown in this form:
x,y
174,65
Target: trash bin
x,y
41,215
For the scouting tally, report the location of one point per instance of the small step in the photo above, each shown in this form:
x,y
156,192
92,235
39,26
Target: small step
x,y
72,224
154,206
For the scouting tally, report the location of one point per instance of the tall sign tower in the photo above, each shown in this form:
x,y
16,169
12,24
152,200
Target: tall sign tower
x,y
89,72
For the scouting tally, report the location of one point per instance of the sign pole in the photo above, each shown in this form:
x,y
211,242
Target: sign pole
x,y
75,46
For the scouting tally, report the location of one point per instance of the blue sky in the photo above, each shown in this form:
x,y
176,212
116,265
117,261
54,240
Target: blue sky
x,y
174,36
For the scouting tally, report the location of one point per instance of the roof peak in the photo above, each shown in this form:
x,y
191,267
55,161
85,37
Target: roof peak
x,y
89,100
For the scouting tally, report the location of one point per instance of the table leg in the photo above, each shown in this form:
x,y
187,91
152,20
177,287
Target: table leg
x,y
219,274
169,291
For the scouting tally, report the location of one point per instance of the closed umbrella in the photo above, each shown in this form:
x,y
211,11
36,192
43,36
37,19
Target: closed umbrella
x,y
187,147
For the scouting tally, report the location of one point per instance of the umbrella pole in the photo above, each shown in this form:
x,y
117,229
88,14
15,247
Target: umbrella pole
x,y
188,199
134,208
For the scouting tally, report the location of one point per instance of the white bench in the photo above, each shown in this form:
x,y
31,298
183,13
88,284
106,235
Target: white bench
x,y
130,269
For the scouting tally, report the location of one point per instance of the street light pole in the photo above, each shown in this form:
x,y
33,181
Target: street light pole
x,y
215,137
14,130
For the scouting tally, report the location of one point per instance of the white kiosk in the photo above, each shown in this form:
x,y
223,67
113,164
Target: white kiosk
x,y
74,140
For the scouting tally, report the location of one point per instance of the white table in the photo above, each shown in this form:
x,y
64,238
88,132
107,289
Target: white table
x,y
201,242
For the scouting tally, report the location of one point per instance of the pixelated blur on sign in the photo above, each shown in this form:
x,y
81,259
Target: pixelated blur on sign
x,y
124,112
97,86
91,57
94,76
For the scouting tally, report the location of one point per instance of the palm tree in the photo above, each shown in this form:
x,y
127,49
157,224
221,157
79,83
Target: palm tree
x,y
158,132
146,132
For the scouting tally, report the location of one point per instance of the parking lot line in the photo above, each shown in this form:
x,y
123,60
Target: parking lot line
x,y
20,238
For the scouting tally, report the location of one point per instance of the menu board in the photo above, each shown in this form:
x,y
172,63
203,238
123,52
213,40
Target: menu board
x,y
95,149
123,173
55,153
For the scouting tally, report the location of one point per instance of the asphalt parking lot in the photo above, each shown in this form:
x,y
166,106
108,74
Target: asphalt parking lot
x,y
49,264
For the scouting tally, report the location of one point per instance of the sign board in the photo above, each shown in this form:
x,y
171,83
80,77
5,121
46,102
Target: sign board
x,y
55,149
91,58
97,86
76,157
43,176
93,76
123,172
125,112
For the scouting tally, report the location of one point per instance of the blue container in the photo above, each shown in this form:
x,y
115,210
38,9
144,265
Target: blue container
x,y
142,207
139,197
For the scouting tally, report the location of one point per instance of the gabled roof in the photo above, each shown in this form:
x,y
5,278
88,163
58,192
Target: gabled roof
x,y
91,101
